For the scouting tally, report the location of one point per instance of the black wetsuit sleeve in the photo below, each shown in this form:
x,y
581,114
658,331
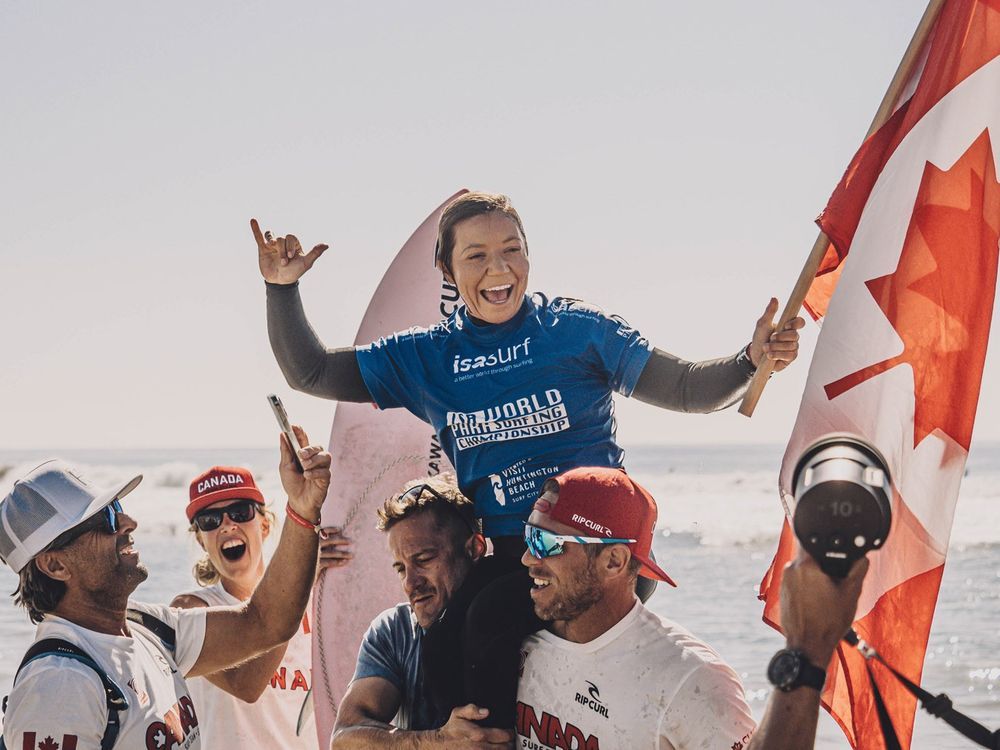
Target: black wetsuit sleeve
x,y
307,365
672,383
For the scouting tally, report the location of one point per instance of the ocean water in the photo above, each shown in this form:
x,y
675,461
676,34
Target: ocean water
x,y
719,523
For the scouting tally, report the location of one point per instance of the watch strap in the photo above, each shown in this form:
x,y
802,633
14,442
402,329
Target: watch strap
x,y
787,662
810,675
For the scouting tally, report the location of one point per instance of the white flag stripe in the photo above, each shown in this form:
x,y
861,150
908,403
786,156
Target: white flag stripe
x,y
856,333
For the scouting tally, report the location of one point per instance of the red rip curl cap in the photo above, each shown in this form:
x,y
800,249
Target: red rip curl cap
x,y
222,483
606,502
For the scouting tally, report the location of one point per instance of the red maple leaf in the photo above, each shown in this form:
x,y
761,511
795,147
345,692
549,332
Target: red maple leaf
x,y
940,297
48,744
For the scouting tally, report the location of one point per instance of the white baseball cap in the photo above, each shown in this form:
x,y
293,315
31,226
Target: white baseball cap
x,y
51,499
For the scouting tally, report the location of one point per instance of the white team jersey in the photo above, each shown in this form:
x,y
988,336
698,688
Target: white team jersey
x,y
57,703
645,684
227,721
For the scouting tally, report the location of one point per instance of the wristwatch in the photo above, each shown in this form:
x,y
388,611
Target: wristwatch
x,y
791,668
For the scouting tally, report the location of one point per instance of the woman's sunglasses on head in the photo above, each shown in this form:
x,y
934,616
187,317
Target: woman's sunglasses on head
x,y
543,543
239,512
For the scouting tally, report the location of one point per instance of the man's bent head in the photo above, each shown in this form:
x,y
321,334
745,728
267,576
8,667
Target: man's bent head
x,y
434,539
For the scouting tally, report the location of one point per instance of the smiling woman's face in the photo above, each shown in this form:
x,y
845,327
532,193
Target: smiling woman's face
x,y
236,549
489,265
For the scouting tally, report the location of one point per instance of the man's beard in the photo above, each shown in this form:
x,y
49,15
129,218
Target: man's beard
x,y
575,596
124,580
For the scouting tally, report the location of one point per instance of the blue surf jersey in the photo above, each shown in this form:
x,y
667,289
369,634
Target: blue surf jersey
x,y
516,403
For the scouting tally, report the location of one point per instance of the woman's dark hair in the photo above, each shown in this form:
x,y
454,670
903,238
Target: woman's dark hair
x,y
37,593
465,207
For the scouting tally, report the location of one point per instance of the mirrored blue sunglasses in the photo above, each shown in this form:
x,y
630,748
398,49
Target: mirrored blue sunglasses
x,y
104,520
543,543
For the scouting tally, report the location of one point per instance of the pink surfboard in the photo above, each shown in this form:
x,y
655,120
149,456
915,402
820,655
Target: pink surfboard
x,y
374,454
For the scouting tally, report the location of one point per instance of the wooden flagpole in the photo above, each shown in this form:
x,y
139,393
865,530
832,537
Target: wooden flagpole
x,y
819,248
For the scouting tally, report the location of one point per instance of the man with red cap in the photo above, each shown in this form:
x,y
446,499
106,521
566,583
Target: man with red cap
x,y
606,672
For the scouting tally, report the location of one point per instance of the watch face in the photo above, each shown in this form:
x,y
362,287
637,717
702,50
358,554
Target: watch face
x,y
783,670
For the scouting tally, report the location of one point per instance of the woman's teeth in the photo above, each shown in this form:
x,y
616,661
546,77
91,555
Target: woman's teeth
x,y
497,294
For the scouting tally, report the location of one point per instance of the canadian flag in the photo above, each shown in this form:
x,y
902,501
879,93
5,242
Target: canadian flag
x,y
68,742
906,296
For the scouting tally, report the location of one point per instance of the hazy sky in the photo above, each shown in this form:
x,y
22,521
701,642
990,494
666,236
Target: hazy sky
x,y
667,158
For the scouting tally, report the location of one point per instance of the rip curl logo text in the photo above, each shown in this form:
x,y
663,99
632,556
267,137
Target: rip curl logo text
x,y
592,700
593,526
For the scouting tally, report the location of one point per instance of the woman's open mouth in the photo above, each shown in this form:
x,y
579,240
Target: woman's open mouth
x,y
233,549
497,295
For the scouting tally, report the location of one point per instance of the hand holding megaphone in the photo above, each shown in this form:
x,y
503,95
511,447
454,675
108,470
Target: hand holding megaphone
x,y
842,492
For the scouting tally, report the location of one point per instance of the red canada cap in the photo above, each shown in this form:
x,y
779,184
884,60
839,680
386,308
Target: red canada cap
x,y
606,502
222,483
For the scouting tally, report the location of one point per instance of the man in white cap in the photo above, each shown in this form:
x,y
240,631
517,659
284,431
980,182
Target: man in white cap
x,y
607,673
107,672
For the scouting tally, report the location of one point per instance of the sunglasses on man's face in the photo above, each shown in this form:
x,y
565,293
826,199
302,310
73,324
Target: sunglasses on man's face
x,y
543,543
105,520
238,512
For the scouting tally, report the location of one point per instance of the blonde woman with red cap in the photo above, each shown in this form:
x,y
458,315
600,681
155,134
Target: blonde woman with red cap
x,y
230,522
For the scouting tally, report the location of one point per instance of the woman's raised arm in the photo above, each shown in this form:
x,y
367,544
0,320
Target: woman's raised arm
x,y
307,365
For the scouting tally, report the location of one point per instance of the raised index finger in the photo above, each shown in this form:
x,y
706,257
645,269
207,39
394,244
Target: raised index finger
x,y
255,228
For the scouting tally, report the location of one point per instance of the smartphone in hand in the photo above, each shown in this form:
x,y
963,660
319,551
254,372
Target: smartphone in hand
x,y
282,416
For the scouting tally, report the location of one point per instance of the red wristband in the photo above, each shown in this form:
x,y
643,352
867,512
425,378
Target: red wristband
x,y
296,518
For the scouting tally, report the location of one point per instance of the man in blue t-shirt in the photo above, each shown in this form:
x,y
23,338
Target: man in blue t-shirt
x,y
436,547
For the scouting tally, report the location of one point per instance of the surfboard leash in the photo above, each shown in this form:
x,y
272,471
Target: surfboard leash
x,y
412,458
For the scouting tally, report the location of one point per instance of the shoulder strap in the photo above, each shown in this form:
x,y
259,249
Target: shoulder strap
x,y
154,625
936,705
115,698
